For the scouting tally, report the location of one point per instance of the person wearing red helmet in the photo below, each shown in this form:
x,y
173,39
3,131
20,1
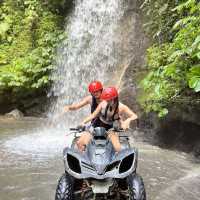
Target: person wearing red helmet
x,y
95,88
109,112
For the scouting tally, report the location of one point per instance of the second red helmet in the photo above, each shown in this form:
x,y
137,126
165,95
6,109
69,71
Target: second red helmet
x,y
109,93
95,86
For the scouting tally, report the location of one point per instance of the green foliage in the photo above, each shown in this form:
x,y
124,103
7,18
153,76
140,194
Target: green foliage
x,y
173,64
30,31
194,78
159,18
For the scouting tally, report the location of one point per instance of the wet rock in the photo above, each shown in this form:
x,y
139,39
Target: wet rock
x,y
197,151
36,106
17,114
30,105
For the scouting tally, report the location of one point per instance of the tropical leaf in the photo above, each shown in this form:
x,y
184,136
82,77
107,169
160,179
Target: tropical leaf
x,y
184,21
4,27
163,112
197,41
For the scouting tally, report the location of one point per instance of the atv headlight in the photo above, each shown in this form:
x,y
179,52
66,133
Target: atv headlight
x,y
126,163
112,166
73,163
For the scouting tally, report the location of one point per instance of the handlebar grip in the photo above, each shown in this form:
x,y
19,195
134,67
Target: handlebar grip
x,y
78,129
117,130
73,129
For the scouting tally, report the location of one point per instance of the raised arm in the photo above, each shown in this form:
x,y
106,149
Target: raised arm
x,y
72,107
131,115
93,115
76,106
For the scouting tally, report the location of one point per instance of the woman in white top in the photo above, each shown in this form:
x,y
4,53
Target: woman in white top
x,y
107,113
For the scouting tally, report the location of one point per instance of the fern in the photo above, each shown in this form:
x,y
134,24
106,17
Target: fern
x,y
173,65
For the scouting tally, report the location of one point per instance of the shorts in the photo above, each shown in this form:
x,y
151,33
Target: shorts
x,y
98,123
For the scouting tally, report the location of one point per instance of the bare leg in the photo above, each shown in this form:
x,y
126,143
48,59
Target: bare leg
x,y
114,138
83,141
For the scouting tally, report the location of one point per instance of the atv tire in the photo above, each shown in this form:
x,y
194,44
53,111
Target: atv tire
x,y
136,187
65,188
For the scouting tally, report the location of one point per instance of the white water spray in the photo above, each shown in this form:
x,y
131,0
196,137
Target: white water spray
x,y
91,52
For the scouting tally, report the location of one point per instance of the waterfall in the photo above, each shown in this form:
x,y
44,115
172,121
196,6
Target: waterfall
x,y
90,52
102,38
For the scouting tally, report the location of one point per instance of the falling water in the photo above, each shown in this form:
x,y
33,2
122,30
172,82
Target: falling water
x,y
90,52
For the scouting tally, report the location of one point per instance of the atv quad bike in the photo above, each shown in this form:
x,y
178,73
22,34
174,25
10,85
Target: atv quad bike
x,y
99,172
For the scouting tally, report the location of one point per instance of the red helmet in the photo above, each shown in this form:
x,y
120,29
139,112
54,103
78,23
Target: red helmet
x,y
95,86
109,93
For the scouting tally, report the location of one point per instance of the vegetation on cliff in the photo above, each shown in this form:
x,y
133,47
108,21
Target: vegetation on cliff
x,y
173,60
29,33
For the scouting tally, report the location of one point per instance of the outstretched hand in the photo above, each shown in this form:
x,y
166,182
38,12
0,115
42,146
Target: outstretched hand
x,y
125,125
66,108
81,127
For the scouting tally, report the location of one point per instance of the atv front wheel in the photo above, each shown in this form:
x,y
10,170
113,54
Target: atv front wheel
x,y
65,188
136,187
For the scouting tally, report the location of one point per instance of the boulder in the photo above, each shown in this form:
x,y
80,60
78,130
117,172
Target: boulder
x,y
17,114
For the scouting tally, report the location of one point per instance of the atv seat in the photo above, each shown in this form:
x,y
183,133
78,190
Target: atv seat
x,y
99,133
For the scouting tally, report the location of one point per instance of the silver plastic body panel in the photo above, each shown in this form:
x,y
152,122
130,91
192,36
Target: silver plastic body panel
x,y
107,156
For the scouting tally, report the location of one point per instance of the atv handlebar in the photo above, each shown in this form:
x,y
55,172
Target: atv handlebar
x,y
116,130
73,129
82,128
78,129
